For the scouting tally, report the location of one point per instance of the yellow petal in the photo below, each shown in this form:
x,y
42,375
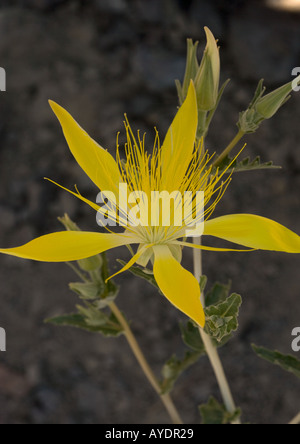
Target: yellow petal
x,y
178,146
253,232
97,163
65,246
178,285
79,196
205,248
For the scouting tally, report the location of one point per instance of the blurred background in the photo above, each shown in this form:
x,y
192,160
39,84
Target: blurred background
x,y
100,59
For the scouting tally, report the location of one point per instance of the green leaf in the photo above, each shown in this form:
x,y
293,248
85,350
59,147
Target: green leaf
x,y
191,337
213,111
105,302
174,367
218,293
222,319
78,320
287,362
93,316
260,90
203,282
246,165
215,413
86,290
143,273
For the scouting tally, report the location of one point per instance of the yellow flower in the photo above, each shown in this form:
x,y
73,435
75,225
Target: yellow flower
x,y
175,165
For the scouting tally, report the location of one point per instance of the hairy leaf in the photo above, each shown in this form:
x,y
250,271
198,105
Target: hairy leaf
x,y
215,413
222,319
174,367
246,165
287,362
218,293
86,290
191,337
110,328
203,282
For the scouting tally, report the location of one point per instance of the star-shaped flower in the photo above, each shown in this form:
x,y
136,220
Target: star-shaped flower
x,y
176,165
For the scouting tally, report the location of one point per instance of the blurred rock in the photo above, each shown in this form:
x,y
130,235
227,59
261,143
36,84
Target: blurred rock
x,y
7,217
157,67
43,5
153,11
12,383
113,6
204,13
46,401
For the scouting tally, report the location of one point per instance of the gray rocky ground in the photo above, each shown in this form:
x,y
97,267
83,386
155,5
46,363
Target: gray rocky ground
x,y
100,59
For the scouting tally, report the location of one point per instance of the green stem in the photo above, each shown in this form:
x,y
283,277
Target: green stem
x,y
210,348
201,124
77,271
165,398
229,148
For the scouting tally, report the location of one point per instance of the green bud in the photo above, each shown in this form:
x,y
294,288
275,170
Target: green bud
x,y
191,70
268,105
208,76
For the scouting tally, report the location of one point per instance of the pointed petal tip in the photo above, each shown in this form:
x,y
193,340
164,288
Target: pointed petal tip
x,y
66,246
52,103
253,231
56,107
192,89
176,282
202,323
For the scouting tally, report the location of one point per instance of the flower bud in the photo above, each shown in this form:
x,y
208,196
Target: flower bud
x,y
208,77
268,105
191,70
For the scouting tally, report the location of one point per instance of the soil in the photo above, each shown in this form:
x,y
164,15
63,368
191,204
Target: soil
x,y
101,59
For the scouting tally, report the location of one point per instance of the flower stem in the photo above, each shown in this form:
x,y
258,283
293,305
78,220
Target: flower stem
x,y
77,271
210,348
165,398
229,148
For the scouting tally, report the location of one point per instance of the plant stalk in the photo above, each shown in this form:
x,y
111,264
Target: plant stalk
x,y
165,398
210,348
229,148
